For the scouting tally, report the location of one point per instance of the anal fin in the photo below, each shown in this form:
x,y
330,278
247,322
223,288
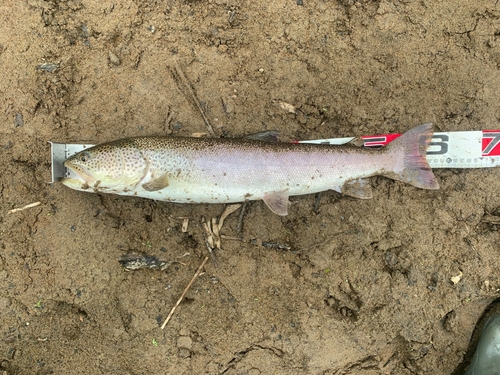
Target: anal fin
x,y
156,184
357,188
277,202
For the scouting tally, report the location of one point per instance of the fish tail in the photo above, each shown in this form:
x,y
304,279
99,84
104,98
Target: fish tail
x,y
415,169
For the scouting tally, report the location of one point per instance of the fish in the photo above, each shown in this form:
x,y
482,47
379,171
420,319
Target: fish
x,y
225,170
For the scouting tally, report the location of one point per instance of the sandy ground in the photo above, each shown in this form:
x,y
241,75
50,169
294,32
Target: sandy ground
x,y
366,286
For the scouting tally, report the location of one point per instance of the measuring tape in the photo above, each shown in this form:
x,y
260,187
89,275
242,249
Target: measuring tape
x,y
468,149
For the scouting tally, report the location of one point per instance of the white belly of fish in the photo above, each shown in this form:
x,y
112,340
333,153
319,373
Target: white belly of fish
x,y
238,177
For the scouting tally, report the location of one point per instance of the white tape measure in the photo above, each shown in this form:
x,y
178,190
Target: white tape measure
x,y
468,149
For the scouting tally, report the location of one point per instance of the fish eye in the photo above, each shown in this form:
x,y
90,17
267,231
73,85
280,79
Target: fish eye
x,y
85,156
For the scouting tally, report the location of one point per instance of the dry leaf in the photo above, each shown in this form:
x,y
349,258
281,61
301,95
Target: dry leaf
x,y
288,107
456,279
228,211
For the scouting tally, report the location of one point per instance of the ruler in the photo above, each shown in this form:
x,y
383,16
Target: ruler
x,y
60,152
467,149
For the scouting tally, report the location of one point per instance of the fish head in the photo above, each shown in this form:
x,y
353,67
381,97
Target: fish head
x,y
110,167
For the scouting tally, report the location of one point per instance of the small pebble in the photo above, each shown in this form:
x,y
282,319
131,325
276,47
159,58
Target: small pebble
x,y
85,31
19,120
228,105
184,353
48,67
115,60
184,342
177,126
456,279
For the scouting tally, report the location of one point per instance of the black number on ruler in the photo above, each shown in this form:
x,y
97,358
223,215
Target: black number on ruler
x,y
442,143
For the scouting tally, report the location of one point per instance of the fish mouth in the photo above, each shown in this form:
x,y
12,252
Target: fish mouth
x,y
78,179
75,183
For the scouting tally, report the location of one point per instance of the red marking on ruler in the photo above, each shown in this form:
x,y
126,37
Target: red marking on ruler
x,y
379,140
491,143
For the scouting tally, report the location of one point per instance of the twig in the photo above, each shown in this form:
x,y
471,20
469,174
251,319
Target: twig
x,y
209,238
210,250
197,273
316,203
189,92
239,228
25,207
256,242
272,245
232,238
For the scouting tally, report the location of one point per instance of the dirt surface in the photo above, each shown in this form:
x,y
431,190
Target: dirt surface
x,y
365,288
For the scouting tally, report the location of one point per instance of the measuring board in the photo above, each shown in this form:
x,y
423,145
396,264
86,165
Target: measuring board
x,y
466,149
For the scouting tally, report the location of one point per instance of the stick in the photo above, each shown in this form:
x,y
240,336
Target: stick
x,y
25,207
210,250
316,204
197,273
258,243
187,89
239,228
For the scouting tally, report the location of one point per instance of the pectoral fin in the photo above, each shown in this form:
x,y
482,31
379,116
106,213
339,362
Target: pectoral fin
x,y
277,202
358,188
157,183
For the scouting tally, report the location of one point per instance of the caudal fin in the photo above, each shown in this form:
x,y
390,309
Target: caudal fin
x,y
415,169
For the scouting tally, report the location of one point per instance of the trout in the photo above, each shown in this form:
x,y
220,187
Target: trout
x,y
211,170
